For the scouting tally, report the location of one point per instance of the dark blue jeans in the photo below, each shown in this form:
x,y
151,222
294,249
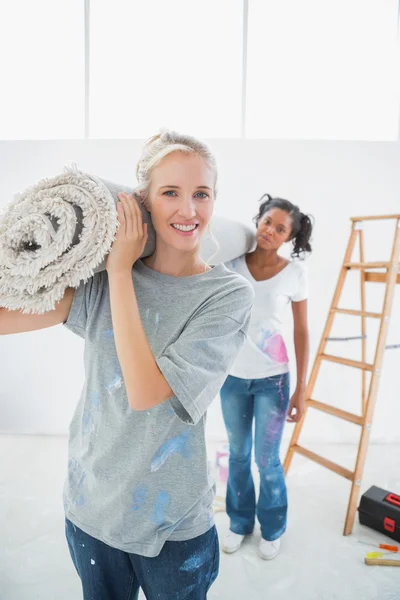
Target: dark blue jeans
x,y
182,571
265,400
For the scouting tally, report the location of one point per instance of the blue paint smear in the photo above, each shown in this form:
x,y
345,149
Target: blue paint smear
x,y
183,594
87,422
76,473
263,335
192,563
95,399
170,447
115,384
162,502
89,413
139,496
108,334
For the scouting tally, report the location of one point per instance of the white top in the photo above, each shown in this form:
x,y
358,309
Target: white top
x,y
264,352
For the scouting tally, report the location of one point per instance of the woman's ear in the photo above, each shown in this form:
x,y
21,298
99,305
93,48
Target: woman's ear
x,y
146,204
141,197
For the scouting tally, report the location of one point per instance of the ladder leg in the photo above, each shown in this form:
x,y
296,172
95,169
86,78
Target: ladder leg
x,y
320,351
373,389
351,509
355,487
363,326
296,434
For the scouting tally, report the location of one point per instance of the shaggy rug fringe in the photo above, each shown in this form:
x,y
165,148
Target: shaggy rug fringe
x,y
53,236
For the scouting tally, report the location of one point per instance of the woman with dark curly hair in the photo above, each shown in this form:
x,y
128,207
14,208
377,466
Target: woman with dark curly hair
x,y
258,385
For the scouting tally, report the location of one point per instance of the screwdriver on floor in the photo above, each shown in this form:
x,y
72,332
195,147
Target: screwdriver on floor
x,y
381,546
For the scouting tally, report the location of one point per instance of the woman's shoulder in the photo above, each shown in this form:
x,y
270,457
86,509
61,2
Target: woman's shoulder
x,y
236,263
297,266
232,287
233,278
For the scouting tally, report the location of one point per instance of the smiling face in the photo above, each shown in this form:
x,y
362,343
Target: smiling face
x,y
181,200
274,229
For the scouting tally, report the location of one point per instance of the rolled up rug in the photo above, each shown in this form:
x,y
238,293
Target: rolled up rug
x,y
58,233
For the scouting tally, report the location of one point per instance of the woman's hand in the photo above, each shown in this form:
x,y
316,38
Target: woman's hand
x,y
297,406
131,236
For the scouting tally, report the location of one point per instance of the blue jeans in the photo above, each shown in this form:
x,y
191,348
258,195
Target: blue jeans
x,y
182,570
266,400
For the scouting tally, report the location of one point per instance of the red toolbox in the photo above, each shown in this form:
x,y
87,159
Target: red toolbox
x,y
380,510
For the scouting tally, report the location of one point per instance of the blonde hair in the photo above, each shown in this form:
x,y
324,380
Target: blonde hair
x,y
161,145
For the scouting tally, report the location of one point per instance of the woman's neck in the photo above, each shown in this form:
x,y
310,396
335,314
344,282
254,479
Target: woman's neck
x,y
264,258
169,261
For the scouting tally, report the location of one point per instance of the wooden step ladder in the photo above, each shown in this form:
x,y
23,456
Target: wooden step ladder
x,y
390,276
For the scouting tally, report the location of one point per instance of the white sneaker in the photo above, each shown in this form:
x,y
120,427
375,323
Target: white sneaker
x,y
268,550
232,542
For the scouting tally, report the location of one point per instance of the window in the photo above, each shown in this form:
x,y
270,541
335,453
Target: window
x,y
323,69
165,64
307,69
42,69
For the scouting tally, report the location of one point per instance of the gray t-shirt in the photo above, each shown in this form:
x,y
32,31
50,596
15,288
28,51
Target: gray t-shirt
x,y
137,479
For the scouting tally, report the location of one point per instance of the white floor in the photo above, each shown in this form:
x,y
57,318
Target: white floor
x,y
316,561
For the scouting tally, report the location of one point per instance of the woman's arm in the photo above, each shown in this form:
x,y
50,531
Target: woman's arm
x,y
301,345
145,385
14,321
301,342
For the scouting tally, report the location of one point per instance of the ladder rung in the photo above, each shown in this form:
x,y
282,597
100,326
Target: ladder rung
x,y
375,218
372,265
348,362
324,462
372,277
358,313
346,339
336,412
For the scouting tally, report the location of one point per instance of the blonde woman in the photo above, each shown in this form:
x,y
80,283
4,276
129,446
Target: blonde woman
x,y
160,337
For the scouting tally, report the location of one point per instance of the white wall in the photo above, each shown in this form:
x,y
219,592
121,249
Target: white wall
x,y
41,373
